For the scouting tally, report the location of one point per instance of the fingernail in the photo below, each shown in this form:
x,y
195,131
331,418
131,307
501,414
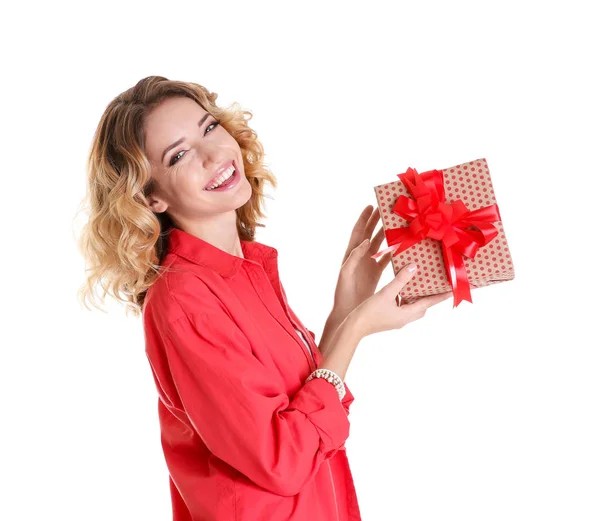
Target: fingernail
x,y
411,267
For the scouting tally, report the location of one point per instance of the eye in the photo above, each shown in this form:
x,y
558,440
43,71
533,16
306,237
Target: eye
x,y
214,123
176,157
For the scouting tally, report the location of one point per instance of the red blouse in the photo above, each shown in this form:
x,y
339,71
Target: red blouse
x,y
244,438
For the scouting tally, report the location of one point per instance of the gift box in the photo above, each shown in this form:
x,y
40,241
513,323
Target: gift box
x,y
448,223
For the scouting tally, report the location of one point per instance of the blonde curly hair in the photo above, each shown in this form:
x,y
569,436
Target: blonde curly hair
x,y
123,241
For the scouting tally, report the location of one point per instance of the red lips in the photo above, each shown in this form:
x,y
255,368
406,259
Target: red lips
x,y
225,166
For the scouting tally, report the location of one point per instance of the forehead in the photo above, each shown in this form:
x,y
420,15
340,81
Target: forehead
x,y
172,119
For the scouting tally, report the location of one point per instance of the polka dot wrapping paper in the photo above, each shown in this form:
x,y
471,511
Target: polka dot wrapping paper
x,y
472,184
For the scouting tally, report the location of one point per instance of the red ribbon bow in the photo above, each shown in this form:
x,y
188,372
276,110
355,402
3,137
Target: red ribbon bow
x,y
461,231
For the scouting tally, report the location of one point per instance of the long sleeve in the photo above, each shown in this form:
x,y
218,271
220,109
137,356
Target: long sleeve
x,y
240,408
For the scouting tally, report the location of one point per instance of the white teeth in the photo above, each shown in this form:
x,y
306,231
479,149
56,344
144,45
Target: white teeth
x,y
223,177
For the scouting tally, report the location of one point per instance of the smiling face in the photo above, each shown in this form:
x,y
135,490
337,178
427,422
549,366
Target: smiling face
x,y
183,172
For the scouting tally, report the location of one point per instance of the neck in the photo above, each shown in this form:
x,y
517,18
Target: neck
x,y
220,231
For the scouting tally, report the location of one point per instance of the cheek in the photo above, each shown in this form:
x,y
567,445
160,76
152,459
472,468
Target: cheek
x,y
190,180
192,188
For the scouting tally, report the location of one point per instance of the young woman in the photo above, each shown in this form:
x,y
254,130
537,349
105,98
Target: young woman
x,y
253,413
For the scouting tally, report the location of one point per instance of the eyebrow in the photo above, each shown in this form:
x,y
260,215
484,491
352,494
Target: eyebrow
x,y
182,139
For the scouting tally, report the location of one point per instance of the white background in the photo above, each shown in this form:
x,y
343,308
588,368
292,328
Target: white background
x,y
489,411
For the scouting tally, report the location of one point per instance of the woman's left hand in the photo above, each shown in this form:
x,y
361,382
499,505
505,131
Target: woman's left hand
x,y
360,274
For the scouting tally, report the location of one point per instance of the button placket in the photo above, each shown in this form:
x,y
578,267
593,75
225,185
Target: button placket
x,y
298,324
276,305
278,289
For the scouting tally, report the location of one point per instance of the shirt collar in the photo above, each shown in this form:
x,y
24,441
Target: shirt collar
x,y
201,252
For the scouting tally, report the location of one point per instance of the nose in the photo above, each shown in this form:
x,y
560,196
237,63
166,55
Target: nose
x,y
211,157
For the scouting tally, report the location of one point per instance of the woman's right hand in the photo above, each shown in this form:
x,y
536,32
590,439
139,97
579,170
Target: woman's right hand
x,y
381,312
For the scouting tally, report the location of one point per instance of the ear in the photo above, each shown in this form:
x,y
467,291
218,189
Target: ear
x,y
156,204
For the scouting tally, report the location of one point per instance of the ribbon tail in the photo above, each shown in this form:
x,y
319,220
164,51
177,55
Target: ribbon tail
x,y
457,275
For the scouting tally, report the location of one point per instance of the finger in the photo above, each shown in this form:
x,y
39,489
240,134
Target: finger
x,y
398,282
356,254
358,231
385,259
377,240
417,310
372,222
420,306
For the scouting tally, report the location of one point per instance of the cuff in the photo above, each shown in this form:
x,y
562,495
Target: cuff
x,y
318,399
